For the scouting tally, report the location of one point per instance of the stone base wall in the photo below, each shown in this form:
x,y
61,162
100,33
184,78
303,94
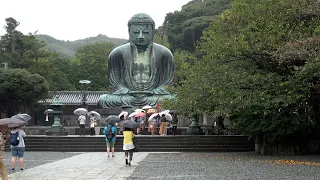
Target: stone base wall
x,y
41,130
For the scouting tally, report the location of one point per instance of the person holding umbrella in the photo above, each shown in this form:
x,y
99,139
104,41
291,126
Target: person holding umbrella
x,y
17,146
82,124
92,124
110,132
128,136
128,144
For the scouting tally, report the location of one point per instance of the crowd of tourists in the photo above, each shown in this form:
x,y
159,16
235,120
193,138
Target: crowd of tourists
x,y
128,125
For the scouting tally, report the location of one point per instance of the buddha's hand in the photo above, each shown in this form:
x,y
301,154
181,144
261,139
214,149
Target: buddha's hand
x,y
140,93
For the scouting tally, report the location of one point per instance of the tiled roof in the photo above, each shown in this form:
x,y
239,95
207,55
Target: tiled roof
x,y
75,97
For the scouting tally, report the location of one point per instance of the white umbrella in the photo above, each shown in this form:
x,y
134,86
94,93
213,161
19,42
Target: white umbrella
x,y
80,111
139,110
25,117
124,114
96,115
146,107
133,114
12,122
167,115
153,116
48,111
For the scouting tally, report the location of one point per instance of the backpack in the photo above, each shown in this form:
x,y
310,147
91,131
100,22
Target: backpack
x,y
14,138
109,133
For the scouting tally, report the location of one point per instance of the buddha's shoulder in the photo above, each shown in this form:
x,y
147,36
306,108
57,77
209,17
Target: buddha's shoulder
x,y
161,48
121,49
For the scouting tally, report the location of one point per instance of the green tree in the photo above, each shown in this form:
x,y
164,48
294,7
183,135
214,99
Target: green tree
x,y
184,28
27,52
260,67
91,64
20,89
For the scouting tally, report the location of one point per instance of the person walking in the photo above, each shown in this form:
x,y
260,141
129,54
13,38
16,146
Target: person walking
x,y
128,145
92,125
3,138
163,125
17,147
82,124
110,131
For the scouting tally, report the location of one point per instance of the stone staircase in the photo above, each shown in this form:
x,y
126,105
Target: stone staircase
x,y
147,143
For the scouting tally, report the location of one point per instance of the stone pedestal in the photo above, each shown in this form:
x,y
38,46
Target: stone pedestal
x,y
194,128
57,131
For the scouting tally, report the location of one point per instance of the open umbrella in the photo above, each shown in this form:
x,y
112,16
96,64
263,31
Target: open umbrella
x,y
146,107
129,124
12,122
24,117
48,111
112,119
124,114
80,111
139,110
151,111
167,115
139,114
153,116
133,114
96,115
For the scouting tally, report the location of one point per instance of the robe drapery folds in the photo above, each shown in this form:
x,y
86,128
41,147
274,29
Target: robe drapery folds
x,y
120,68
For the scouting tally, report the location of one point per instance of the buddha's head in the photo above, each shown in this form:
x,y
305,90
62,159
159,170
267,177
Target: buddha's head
x,y
141,29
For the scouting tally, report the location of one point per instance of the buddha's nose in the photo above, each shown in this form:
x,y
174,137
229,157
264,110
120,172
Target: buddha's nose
x,y
140,35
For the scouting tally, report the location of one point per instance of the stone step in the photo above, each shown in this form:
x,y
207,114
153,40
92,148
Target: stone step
x,y
146,143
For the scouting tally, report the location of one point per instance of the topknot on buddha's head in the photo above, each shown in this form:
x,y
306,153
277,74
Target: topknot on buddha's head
x,y
141,18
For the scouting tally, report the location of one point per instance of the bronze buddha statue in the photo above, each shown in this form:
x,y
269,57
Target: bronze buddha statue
x,y
140,70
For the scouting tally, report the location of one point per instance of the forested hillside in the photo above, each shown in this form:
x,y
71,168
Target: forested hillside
x,y
68,49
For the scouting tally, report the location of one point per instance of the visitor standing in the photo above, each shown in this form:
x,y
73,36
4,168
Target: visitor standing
x,y
174,124
110,131
128,145
17,147
82,124
3,139
163,125
92,125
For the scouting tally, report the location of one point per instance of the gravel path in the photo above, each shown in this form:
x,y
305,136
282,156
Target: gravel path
x,y
33,159
210,166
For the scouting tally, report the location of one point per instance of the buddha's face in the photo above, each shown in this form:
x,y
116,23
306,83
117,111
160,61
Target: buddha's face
x,y
141,34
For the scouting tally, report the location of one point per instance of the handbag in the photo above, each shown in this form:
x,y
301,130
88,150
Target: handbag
x,y
135,143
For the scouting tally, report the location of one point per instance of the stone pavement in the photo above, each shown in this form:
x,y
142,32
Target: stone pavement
x,y
166,166
85,166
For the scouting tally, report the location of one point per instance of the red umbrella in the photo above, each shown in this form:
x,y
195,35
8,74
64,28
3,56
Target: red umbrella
x,y
140,114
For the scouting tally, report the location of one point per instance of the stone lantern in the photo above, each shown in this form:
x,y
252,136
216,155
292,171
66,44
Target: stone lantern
x,y
194,128
57,129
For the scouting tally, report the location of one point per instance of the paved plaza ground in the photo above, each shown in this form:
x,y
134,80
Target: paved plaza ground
x,y
167,166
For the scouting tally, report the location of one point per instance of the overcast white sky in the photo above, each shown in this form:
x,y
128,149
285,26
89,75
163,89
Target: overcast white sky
x,y
79,19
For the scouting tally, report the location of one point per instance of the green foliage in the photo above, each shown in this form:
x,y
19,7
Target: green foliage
x,y
19,88
68,49
91,63
27,52
184,28
260,59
